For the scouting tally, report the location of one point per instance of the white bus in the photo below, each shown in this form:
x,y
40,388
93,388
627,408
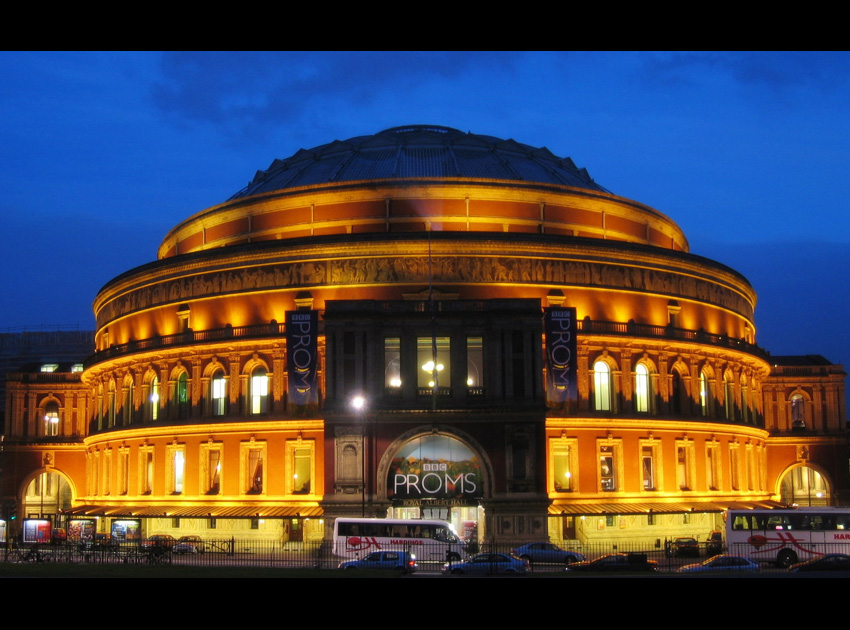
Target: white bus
x,y
785,536
427,540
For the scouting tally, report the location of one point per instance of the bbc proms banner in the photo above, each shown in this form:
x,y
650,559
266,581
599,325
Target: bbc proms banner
x,y
302,362
560,327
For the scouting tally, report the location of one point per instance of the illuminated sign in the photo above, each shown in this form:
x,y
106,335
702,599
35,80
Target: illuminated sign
x,y
435,467
560,326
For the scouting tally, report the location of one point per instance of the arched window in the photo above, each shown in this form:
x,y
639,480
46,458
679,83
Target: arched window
x,y
729,397
642,388
798,412
601,386
51,419
218,394
678,394
805,486
127,407
152,403
745,407
181,396
705,400
259,391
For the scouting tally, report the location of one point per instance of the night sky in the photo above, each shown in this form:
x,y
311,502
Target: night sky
x,y
748,152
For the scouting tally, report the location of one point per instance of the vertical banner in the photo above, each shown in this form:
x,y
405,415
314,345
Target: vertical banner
x,y
562,386
302,359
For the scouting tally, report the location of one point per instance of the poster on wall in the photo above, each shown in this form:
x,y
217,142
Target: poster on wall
x,y
561,386
302,328
126,530
37,530
435,467
81,529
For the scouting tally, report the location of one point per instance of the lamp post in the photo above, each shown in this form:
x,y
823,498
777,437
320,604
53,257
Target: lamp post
x,y
358,403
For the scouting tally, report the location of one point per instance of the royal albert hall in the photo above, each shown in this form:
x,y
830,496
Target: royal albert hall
x,y
425,323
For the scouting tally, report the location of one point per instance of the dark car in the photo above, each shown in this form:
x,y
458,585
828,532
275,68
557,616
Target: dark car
x,y
714,543
725,564
159,541
189,544
488,564
617,562
685,547
400,561
547,553
826,562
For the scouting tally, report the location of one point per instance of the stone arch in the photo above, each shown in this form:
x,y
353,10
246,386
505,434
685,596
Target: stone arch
x,y
805,484
388,456
46,491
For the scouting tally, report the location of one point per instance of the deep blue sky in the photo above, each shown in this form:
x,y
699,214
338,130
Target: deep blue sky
x,y
748,152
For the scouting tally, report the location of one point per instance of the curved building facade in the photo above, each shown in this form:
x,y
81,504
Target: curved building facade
x,y
430,323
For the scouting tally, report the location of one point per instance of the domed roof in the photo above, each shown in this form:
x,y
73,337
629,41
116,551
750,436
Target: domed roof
x,y
419,151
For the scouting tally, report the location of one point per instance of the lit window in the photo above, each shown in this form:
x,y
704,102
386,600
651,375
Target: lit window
x,y
563,465
153,401
211,468
433,354
392,363
475,364
218,391
177,469
259,391
76,368
735,466
51,419
704,394
642,388
728,398
601,386
300,467
49,367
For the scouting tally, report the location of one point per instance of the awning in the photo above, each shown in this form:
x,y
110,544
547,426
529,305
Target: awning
x,y
682,507
202,511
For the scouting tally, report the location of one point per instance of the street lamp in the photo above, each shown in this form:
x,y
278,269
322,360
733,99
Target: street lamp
x,y
358,403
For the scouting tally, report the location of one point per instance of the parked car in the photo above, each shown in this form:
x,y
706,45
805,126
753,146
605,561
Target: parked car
x,y
685,547
547,553
617,562
722,563
189,544
488,564
826,562
401,561
159,541
714,543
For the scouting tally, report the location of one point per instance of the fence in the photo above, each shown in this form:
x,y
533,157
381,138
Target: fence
x,y
272,554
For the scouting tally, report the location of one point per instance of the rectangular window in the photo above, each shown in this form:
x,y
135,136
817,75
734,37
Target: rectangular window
x,y
392,363
609,467
433,364
211,468
123,471
253,458
176,468
684,465
299,459
647,459
563,454
712,465
475,366
751,468
107,471
259,392
735,466
219,395
146,470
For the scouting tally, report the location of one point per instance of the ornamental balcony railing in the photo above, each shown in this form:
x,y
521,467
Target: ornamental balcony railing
x,y
274,329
